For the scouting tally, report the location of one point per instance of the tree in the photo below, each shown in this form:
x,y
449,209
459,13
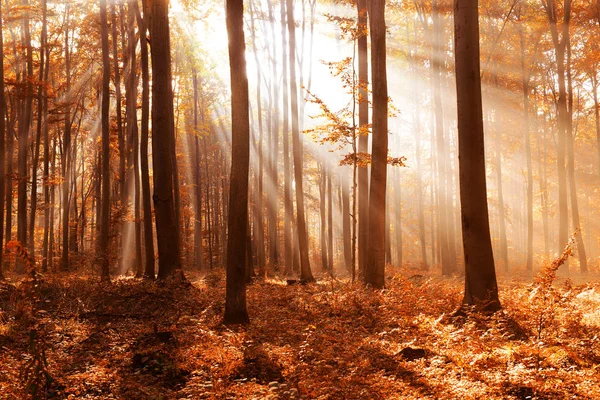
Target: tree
x,y
2,144
145,180
560,44
363,140
104,227
481,288
235,296
133,133
24,124
167,226
375,263
305,271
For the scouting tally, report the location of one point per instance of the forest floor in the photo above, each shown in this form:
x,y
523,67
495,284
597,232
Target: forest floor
x,y
131,339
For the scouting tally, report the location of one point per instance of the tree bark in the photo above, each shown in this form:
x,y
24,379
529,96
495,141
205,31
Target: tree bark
x,y
444,204
41,127
323,215
499,178
133,133
235,297
2,145
24,124
169,253
104,224
525,86
145,181
305,271
287,171
346,224
583,268
559,48
481,288
417,132
363,140
375,267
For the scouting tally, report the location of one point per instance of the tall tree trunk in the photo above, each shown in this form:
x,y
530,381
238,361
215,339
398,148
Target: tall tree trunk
x,y
346,224
596,113
583,268
235,297
481,288
388,230
41,126
146,204
323,214
499,178
559,48
363,139
120,135
398,220
448,264
287,171
46,177
260,231
525,84
375,267
169,253
209,204
2,144
272,198
305,271
24,124
133,133
198,249
66,151
417,132
329,224
104,223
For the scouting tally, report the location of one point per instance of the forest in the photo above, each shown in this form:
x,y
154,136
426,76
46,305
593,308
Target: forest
x,y
299,199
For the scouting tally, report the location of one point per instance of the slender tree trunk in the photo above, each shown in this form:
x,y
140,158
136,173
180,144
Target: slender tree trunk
x,y
272,198
2,145
375,267
289,205
583,268
120,135
133,133
481,287
346,224
104,224
596,113
499,178
329,225
448,264
542,185
41,127
417,132
198,249
24,124
323,214
363,139
145,181
235,297
305,271
398,221
169,253
209,204
559,48
525,85
258,199
388,230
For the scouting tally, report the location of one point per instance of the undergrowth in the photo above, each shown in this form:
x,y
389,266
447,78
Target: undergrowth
x,y
331,340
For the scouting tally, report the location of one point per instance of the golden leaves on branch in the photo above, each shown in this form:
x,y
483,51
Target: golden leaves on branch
x,y
363,159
